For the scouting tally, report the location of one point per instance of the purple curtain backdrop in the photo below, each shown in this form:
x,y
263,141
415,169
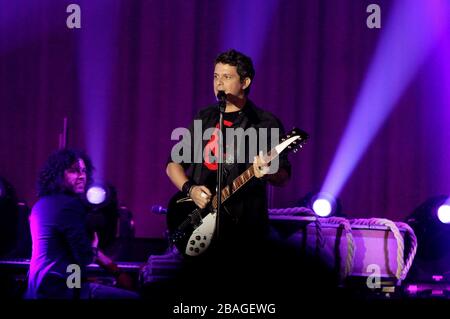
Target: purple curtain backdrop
x,y
138,69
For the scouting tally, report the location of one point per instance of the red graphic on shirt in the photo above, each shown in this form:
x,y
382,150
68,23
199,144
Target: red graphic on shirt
x,y
212,148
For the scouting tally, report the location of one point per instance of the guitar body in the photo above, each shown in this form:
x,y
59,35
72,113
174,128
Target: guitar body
x,y
191,229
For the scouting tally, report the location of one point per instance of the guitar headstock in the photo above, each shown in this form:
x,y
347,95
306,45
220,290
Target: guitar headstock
x,y
293,140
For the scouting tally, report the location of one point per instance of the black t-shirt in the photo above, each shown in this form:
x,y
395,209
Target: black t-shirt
x,y
211,150
60,238
245,219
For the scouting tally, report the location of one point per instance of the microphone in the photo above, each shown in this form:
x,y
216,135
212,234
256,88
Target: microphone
x,y
221,96
157,209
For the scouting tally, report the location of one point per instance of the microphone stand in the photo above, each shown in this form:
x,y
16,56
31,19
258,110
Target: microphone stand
x,y
222,106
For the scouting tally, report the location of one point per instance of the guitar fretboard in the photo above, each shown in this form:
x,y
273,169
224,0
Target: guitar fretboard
x,y
237,183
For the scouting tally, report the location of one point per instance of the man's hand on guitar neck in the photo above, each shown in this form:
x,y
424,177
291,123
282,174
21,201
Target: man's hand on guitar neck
x,y
260,165
261,169
201,195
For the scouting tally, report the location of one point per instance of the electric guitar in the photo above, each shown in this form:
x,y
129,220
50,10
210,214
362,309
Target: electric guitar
x,y
191,229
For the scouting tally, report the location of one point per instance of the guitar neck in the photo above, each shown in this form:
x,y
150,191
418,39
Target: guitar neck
x,y
291,141
238,182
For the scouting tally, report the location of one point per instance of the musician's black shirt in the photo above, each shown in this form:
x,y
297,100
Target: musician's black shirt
x,y
60,238
245,220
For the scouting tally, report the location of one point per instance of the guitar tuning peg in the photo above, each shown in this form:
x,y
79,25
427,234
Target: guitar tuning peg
x,y
295,150
288,136
301,146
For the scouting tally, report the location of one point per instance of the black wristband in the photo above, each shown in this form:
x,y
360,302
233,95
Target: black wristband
x,y
187,186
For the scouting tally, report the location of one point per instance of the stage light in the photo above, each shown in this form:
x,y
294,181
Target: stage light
x,y
435,212
430,222
96,194
323,204
103,213
443,213
322,207
112,222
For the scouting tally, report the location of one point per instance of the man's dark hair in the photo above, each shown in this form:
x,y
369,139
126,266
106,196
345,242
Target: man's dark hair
x,y
51,177
243,64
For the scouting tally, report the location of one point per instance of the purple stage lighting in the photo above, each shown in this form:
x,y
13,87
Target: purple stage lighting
x,y
324,204
412,31
443,213
96,195
430,222
247,35
322,207
97,57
